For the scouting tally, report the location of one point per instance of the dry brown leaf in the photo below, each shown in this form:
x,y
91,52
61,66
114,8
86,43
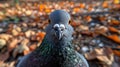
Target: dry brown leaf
x,y
90,9
25,52
15,32
114,37
48,10
25,41
105,59
116,1
12,44
28,12
40,36
18,29
86,32
5,36
76,9
102,18
2,43
105,4
105,55
114,22
21,49
82,5
90,56
117,52
99,51
33,47
100,29
116,6
2,64
112,29
83,27
4,56
75,24
42,7
29,33
88,18
12,64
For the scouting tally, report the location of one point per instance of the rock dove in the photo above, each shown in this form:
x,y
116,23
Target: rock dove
x,y
56,49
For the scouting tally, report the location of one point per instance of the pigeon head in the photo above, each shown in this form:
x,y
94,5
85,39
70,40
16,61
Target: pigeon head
x,y
59,17
59,27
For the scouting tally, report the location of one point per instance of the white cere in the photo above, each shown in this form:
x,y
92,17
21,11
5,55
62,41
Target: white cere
x,y
56,25
62,26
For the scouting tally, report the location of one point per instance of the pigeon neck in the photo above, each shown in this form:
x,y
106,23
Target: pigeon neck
x,y
57,53
49,46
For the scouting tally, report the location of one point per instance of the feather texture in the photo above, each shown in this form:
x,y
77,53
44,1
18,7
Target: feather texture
x,y
53,52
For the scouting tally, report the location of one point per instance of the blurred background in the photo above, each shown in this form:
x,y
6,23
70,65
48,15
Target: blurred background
x,y
96,24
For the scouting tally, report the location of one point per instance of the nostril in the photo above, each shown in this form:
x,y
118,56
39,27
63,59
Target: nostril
x,y
55,29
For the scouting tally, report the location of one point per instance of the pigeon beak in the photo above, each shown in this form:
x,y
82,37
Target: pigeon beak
x,y
58,34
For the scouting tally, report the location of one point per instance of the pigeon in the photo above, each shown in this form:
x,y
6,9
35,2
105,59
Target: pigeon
x,y
56,49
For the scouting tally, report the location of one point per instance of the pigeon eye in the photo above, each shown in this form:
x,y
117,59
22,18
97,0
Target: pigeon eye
x,y
62,29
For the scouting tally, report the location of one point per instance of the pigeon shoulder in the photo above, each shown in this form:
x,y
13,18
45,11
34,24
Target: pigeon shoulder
x,y
23,61
83,59
29,60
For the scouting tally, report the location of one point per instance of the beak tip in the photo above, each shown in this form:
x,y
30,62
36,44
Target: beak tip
x,y
59,36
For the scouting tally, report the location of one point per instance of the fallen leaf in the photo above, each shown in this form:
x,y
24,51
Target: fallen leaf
x,y
15,32
33,47
112,29
117,52
116,1
75,24
102,18
114,37
2,43
12,44
29,33
40,36
4,56
76,9
82,5
114,22
83,27
88,18
25,41
5,36
90,56
105,4
105,55
25,52
21,49
42,7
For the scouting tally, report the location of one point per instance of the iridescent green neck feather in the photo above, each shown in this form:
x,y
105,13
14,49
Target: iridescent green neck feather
x,y
61,53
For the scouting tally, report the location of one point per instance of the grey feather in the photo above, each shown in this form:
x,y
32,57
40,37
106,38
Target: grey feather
x,y
55,52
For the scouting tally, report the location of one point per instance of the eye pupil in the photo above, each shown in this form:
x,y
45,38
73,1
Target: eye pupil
x,y
62,29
